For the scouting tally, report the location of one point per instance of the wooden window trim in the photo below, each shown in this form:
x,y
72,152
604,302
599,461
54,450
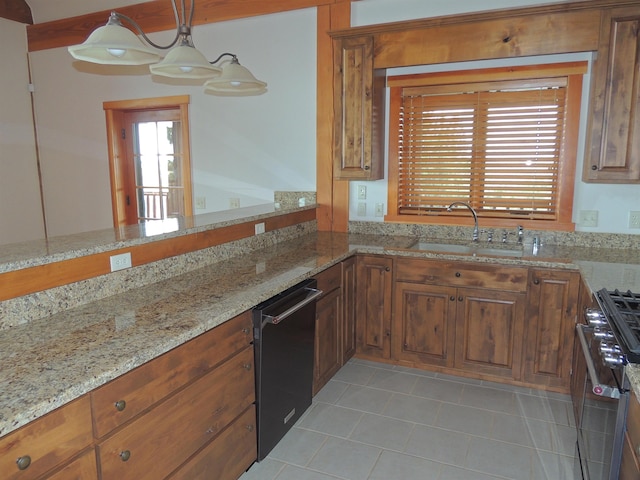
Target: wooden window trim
x,y
573,71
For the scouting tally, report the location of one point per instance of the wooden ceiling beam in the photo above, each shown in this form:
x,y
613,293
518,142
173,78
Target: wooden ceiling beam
x,y
155,16
16,10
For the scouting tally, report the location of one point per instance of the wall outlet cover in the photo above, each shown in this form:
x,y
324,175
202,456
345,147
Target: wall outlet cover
x,y
588,218
634,219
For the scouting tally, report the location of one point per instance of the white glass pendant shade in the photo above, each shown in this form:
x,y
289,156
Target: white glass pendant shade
x,y
235,81
185,61
114,44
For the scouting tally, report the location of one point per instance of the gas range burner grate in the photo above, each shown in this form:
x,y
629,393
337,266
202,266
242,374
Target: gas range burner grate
x,y
622,310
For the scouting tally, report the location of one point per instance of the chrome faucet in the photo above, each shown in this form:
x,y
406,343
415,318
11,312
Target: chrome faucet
x,y
475,218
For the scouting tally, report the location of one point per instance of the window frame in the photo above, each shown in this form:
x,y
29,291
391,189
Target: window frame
x,y
572,71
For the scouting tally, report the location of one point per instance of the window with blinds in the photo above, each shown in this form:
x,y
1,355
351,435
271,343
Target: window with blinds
x,y
500,145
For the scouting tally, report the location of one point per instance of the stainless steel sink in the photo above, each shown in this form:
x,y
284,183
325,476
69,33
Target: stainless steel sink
x,y
514,251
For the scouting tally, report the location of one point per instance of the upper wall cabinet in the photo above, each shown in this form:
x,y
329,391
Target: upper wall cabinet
x,y
359,107
613,148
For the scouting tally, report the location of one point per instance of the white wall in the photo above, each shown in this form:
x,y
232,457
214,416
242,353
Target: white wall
x,y
613,202
242,147
20,210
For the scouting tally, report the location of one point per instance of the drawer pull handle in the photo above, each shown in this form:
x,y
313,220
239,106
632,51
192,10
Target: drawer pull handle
x,y
250,428
247,367
120,405
125,455
24,462
458,274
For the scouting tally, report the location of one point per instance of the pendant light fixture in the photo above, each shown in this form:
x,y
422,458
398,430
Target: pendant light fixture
x,y
114,44
235,80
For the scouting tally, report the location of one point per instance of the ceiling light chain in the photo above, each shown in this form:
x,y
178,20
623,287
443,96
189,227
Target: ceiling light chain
x,y
114,44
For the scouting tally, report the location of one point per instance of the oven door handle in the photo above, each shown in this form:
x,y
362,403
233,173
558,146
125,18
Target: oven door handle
x,y
600,389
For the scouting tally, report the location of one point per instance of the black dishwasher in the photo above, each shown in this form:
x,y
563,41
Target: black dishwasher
x,y
284,333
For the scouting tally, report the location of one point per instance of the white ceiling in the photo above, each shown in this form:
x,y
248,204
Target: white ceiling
x,y
48,10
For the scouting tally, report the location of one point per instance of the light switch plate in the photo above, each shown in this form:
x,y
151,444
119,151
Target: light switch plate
x,y
588,218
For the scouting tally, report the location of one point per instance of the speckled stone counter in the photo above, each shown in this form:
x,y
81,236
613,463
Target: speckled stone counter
x,y
48,362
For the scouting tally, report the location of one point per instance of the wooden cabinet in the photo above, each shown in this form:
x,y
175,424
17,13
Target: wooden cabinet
x,y
335,341
613,147
424,326
328,338
552,309
442,320
630,468
194,393
373,306
48,443
359,107
348,308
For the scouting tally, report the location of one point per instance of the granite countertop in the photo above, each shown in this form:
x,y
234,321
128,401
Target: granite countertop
x,y
49,362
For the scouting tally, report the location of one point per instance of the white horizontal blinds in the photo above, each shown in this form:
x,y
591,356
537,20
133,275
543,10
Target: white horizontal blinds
x,y
493,144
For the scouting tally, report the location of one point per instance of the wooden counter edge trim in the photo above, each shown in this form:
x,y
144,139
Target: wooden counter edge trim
x,y
42,277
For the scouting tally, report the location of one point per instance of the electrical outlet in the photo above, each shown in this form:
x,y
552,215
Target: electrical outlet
x,y
259,228
362,209
634,219
588,218
379,210
234,203
120,262
201,203
362,192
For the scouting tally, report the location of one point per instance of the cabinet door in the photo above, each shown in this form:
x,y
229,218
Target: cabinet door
x,y
359,103
614,143
489,329
373,307
630,468
348,309
327,341
424,324
552,308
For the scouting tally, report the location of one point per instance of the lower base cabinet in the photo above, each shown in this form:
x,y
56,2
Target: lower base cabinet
x,y
630,468
228,455
188,414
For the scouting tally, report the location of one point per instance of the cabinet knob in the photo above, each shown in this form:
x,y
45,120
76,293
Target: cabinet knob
x,y
125,455
594,167
120,405
460,299
387,269
247,367
458,274
536,281
23,462
367,167
246,331
250,428
452,298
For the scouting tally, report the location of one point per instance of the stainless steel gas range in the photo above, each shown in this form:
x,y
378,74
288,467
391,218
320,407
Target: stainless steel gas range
x,y
608,340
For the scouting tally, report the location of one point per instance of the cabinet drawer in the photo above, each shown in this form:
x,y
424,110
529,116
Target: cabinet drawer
x,y
82,468
226,457
48,441
329,279
165,437
479,275
126,396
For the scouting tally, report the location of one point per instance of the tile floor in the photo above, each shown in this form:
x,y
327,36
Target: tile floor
x,y
374,421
